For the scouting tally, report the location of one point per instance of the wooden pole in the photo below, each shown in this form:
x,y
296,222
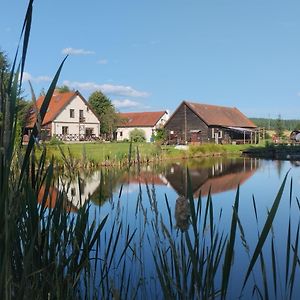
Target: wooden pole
x,y
185,125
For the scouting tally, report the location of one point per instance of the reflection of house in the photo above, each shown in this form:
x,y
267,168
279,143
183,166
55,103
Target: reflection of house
x,y
53,196
221,176
69,117
194,122
147,121
78,194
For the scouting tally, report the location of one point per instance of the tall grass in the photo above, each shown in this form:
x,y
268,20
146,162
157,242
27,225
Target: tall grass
x,y
43,252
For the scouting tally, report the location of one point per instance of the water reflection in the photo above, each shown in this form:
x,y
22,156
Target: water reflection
x,y
219,175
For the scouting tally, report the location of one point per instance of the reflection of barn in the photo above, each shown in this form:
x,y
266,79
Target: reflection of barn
x,y
221,176
194,122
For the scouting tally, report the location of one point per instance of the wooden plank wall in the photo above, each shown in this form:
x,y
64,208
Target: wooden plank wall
x,y
183,121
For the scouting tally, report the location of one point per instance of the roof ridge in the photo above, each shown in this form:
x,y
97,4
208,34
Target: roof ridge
x,y
213,105
143,112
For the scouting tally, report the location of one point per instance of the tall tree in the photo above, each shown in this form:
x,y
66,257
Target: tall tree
x,y
106,112
279,128
22,104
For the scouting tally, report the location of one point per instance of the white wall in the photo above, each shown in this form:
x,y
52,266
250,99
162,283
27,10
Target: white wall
x,y
126,133
64,119
148,130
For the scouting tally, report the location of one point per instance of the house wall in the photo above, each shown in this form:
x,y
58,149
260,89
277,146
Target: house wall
x,y
182,124
149,131
75,126
123,133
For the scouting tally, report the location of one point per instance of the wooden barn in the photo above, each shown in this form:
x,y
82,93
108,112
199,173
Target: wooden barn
x,y
204,123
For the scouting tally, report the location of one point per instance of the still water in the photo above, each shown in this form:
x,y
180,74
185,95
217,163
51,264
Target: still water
x,y
144,199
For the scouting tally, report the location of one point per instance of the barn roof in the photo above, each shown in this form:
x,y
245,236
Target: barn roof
x,y
220,115
140,119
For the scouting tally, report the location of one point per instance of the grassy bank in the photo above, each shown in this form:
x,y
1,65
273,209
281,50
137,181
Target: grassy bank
x,y
275,151
111,154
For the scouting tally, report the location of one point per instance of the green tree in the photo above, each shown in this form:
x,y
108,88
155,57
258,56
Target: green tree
x,y
279,127
63,89
160,135
106,112
23,108
137,135
297,126
4,66
22,104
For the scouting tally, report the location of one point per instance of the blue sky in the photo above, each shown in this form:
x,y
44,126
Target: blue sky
x,y
151,55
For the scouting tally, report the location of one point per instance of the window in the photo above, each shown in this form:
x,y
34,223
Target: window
x,y
81,117
220,134
65,130
72,113
121,133
89,131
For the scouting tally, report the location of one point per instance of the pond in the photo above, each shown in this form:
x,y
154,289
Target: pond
x,y
150,225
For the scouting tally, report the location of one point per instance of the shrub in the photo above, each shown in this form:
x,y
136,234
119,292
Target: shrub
x,y
55,141
137,135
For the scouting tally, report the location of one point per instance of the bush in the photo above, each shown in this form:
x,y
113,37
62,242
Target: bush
x,y
161,135
137,135
55,141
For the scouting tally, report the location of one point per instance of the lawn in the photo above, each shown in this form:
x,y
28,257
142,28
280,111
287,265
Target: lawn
x,y
111,153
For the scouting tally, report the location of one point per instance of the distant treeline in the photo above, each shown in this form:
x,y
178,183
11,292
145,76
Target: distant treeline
x,y
271,123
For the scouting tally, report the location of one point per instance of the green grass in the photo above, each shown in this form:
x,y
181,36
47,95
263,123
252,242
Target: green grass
x,y
111,153
117,153
214,149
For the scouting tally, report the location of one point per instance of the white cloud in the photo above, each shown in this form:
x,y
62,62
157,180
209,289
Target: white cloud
x,y
110,89
73,51
126,103
102,61
43,78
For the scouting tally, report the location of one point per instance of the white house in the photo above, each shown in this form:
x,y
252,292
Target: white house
x,y
69,117
147,121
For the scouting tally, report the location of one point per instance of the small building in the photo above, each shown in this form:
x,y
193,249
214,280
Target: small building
x,y
69,117
202,123
149,122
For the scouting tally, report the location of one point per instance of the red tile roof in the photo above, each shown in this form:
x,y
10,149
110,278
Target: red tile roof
x,y
52,198
220,115
56,105
140,119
